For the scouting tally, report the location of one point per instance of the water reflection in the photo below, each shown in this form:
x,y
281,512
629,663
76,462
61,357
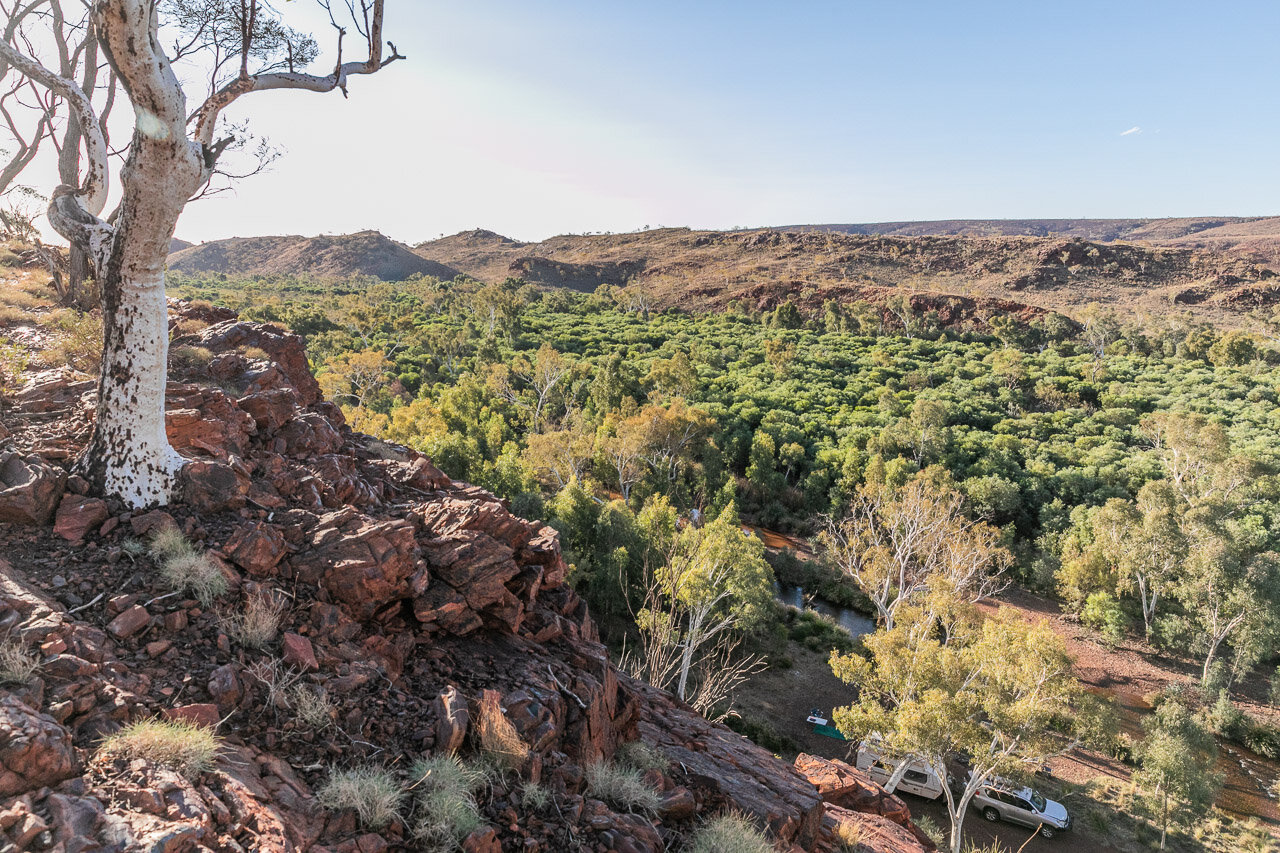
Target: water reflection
x,y
852,621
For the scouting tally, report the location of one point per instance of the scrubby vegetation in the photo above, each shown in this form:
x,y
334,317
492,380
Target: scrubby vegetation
x,y
183,746
373,793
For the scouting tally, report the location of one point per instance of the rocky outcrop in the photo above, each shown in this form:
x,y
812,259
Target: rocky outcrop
x,y
30,489
845,787
416,614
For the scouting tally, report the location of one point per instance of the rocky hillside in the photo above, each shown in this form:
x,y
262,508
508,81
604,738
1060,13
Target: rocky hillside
x,y
415,616
363,253
957,275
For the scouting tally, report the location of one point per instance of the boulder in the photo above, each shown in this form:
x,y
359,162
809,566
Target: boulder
x,y
284,348
309,434
77,516
151,522
206,422
270,410
208,486
129,622
30,489
874,833
257,548
364,565
35,750
842,784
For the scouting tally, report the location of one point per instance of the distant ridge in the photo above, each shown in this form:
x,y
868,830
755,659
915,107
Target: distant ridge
x,y
363,253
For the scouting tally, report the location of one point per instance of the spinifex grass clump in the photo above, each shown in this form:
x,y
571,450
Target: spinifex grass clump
x,y
17,664
256,625
445,788
186,569
375,795
621,787
180,745
729,833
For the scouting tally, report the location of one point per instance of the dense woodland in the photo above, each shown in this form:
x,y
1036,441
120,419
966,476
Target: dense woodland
x,y
1112,459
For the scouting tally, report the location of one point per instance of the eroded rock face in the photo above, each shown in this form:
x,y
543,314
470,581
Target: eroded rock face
x,y
875,833
212,486
365,565
731,769
206,422
285,349
35,750
845,786
30,489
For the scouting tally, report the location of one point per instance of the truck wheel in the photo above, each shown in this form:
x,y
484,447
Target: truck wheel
x,y
991,814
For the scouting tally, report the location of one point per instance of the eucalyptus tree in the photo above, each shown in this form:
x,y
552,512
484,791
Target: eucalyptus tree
x,y
172,156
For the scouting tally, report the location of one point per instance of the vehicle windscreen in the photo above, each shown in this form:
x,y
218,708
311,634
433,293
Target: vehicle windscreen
x,y
1037,800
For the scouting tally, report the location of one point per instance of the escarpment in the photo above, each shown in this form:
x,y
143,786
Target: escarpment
x,y
414,616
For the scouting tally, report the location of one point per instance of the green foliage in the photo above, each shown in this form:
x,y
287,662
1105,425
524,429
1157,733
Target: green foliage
x,y
445,809
1177,758
762,733
1102,613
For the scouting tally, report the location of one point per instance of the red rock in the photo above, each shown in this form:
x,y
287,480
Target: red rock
x,y
284,348
364,565
257,548
159,647
842,784
310,434
678,804
875,833
29,489
443,609
151,522
34,749
225,687
483,840
175,621
201,714
129,622
212,486
371,843
206,422
272,409
298,652
77,516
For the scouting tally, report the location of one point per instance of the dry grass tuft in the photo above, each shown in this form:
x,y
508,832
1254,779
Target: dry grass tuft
x,y
78,342
189,358
446,810
168,542
312,708
186,747
17,664
621,787
499,740
372,792
258,624
641,756
196,574
729,833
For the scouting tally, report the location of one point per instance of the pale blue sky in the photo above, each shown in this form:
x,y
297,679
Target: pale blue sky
x,y
537,118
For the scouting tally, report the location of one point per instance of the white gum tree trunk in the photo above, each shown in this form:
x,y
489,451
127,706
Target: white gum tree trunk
x,y
171,157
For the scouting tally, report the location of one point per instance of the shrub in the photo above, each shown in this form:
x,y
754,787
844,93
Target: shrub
x,y
1103,614
762,733
280,682
535,797
196,574
78,343
446,810
13,360
168,542
372,792
17,665
849,837
1224,719
930,828
621,787
730,833
259,622
185,747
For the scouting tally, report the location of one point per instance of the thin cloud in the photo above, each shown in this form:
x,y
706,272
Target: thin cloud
x,y
1132,131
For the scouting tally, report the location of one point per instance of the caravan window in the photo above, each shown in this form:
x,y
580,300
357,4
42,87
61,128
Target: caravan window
x,y
915,777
